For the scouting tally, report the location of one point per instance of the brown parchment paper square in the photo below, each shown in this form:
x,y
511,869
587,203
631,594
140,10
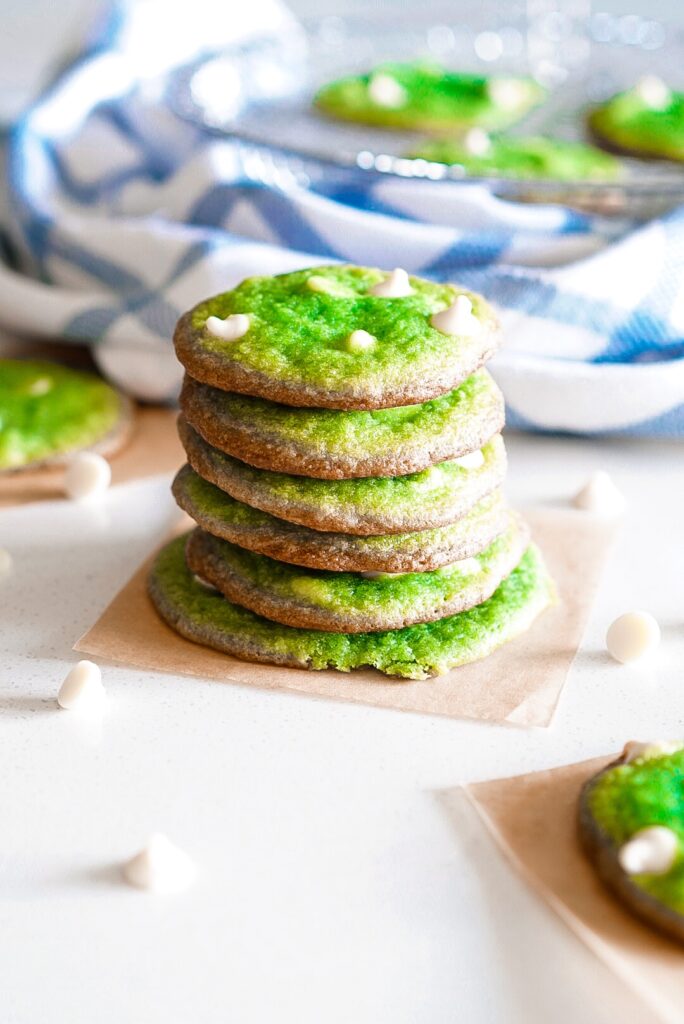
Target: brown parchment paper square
x,y
533,818
153,448
519,684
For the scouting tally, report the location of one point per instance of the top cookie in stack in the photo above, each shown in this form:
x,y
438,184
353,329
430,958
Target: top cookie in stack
x,y
345,464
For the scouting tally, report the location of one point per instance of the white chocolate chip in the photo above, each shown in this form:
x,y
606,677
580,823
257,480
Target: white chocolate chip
x,y
82,689
507,93
457,318
653,91
233,327
632,636
318,283
477,142
87,475
650,851
385,91
473,460
648,751
600,495
395,286
360,341
40,386
6,563
160,867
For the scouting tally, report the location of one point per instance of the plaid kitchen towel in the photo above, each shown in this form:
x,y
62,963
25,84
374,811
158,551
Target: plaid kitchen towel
x,y
122,215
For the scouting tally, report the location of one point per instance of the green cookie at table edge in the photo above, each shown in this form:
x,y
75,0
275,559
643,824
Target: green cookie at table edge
x,y
436,99
415,652
535,157
647,791
48,410
631,125
296,348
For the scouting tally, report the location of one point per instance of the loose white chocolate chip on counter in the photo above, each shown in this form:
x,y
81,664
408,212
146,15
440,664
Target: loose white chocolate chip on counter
x,y
160,867
650,851
360,341
233,327
653,91
477,142
600,495
6,563
472,460
82,689
386,91
632,635
87,475
457,318
395,286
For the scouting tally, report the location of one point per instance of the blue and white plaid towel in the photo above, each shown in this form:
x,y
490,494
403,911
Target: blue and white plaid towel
x,y
123,216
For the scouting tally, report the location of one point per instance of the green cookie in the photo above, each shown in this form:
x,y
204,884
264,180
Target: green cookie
x,y
298,342
48,412
523,158
427,97
352,602
415,652
628,122
333,444
640,790
223,516
434,497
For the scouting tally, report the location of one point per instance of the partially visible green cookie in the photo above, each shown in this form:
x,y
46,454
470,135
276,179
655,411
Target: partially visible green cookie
x,y
351,602
631,818
48,412
219,514
415,652
368,505
426,96
647,120
322,338
333,444
523,157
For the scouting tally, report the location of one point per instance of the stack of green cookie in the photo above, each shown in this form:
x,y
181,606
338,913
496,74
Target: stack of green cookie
x,y
344,469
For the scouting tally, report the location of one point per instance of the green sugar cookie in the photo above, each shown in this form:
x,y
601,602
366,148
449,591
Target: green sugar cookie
x,y
351,602
321,338
223,516
367,505
647,120
643,789
521,157
332,444
416,652
426,96
48,412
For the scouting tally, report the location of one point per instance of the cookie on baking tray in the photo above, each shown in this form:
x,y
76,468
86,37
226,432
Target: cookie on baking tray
x,y
425,96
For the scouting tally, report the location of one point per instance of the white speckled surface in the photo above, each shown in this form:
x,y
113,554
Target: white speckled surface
x,y
334,885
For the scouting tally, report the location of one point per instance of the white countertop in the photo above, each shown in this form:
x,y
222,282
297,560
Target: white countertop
x,y
335,885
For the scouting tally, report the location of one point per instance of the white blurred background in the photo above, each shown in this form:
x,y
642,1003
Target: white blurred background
x,y
37,37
